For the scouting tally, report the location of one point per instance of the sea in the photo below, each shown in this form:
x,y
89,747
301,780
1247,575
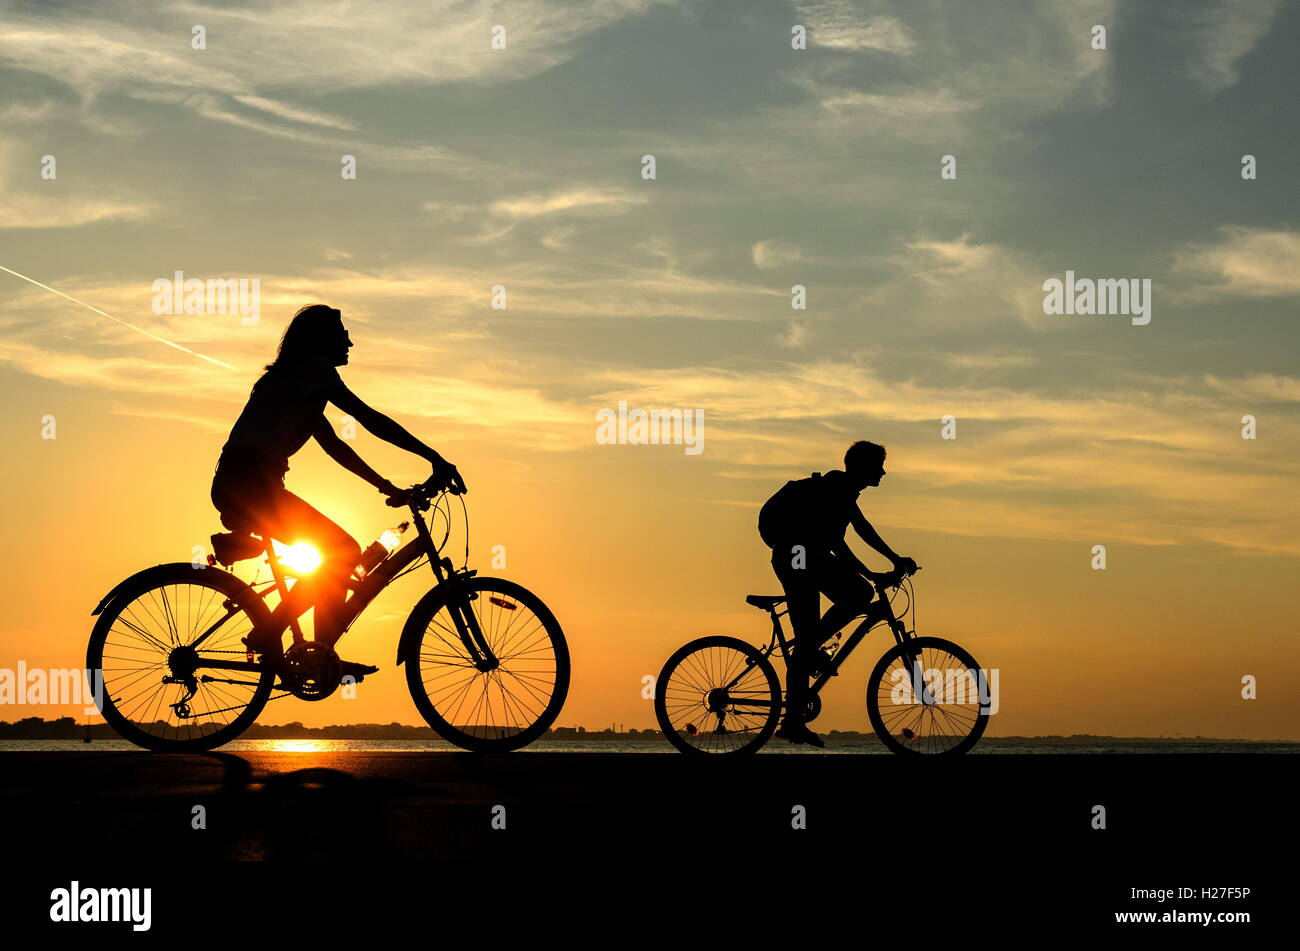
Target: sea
x,y
834,746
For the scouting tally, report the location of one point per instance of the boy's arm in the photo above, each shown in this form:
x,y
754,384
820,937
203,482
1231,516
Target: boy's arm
x,y
346,456
841,549
867,532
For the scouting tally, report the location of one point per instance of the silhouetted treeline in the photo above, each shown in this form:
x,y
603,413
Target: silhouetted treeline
x,y
67,728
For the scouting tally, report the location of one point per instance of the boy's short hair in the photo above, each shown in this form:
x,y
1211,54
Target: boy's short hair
x,y
862,454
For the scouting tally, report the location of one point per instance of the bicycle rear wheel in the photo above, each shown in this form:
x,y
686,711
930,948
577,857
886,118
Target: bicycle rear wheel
x,y
940,710
143,642
494,710
718,696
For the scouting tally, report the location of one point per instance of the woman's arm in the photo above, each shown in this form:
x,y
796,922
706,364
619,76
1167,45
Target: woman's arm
x,y
344,455
383,427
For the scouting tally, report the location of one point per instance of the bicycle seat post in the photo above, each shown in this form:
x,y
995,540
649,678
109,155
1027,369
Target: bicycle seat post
x,y
283,587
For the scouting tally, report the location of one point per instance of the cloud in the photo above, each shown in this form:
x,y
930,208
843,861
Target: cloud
x,y
21,211
27,112
51,203
794,336
1157,462
293,114
583,200
1043,62
905,105
769,254
1245,262
1225,34
1026,463
1264,387
958,281
557,239
297,48
842,25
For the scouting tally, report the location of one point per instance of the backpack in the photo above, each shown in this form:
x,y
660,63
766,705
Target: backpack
x,y
789,509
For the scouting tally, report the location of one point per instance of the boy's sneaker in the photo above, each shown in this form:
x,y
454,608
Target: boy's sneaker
x,y
799,733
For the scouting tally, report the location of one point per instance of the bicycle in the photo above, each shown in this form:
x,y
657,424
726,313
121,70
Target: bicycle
x,y
726,698
486,661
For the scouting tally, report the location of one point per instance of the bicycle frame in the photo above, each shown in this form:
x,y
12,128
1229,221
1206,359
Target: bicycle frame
x,y
880,610
286,613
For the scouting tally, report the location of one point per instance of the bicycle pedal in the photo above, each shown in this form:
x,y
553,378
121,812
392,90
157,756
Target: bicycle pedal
x,y
358,671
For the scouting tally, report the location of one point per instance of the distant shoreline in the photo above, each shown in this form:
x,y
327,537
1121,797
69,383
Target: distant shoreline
x,y
66,728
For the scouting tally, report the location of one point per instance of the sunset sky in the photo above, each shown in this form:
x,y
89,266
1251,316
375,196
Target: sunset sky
x,y
775,167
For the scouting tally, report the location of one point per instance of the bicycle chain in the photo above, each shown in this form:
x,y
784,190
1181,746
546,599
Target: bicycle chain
x,y
229,709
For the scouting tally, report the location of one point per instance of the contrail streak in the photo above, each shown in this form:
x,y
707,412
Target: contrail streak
x,y
140,330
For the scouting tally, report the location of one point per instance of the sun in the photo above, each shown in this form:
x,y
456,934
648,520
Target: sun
x,y
300,557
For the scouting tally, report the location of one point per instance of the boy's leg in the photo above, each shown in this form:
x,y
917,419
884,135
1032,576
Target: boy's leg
x,y
803,602
849,592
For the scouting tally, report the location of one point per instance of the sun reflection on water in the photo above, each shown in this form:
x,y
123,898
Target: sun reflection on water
x,y
296,746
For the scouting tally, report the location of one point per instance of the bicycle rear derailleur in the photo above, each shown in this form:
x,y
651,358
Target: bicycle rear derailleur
x,y
181,664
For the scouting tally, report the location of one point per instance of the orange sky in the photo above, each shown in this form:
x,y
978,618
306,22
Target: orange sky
x,y
638,549
819,168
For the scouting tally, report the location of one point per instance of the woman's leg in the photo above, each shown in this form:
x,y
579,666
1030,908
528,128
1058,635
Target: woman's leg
x,y
289,519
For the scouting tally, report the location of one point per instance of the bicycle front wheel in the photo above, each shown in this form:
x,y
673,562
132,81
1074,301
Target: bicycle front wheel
x,y
156,692
928,697
718,696
498,709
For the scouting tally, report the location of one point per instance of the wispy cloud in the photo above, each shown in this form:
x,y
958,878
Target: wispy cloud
x,y
1044,61
1244,262
845,25
294,114
580,200
794,336
54,203
296,48
1223,35
1025,464
770,254
1264,387
961,282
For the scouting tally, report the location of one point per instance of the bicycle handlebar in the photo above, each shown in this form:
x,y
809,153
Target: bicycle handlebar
x,y
891,579
438,482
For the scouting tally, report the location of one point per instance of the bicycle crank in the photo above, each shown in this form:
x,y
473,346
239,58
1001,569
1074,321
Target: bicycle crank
x,y
814,708
311,670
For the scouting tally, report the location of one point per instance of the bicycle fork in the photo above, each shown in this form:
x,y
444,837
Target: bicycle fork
x,y
460,603
912,664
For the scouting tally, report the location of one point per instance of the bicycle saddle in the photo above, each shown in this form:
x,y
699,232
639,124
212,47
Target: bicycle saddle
x,y
230,547
765,602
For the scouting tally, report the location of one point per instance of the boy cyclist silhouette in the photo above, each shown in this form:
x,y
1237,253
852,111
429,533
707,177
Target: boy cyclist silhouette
x,y
804,524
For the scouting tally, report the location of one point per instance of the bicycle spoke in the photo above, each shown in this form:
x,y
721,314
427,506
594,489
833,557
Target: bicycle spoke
x,y
952,716
137,653
716,699
494,703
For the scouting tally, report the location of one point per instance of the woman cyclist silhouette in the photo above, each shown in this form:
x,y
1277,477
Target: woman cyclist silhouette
x,y
286,408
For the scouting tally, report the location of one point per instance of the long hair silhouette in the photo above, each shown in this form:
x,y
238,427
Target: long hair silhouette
x,y
307,335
